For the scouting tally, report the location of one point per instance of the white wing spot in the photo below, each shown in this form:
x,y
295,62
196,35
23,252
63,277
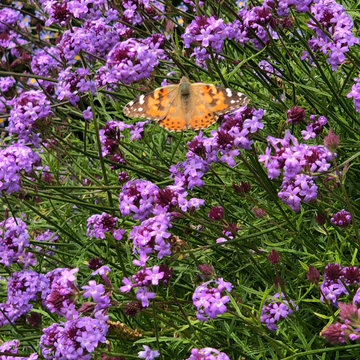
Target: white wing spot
x,y
131,103
232,101
228,92
141,99
240,94
140,109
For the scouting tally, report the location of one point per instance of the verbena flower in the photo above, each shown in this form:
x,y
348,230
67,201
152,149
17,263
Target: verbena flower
x,y
207,353
341,218
11,347
99,224
148,354
274,311
29,114
80,336
14,242
297,162
209,301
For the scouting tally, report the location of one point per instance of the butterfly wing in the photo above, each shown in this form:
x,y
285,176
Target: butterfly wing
x,y
154,105
218,99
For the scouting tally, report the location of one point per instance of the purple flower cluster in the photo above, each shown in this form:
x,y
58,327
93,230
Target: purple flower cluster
x,y
335,279
151,236
341,218
97,293
334,35
355,93
62,290
73,83
294,160
207,353
144,279
274,311
133,10
11,347
14,160
14,241
45,63
137,198
98,225
112,134
30,112
314,127
131,60
23,288
209,301
93,37
208,32
347,328
77,338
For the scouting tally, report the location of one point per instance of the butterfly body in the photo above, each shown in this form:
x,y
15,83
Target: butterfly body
x,y
185,105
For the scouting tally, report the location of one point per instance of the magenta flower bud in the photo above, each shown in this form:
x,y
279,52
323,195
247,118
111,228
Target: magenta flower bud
x,y
313,275
296,115
320,218
242,189
332,141
260,213
274,257
216,213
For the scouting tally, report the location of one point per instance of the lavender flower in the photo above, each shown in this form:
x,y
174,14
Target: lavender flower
x,y
209,301
12,347
207,353
14,241
30,112
314,127
131,60
148,354
355,93
98,225
73,83
137,198
275,311
23,288
295,160
338,24
81,335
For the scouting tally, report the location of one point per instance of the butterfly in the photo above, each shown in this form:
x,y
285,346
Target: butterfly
x,y
185,105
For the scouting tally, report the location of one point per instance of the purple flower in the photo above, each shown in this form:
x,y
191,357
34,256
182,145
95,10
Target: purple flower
x,y
87,114
83,335
131,60
12,347
209,302
332,18
73,83
137,198
30,112
314,127
296,161
94,290
341,218
207,353
14,242
355,93
207,32
6,83
148,354
98,225
275,311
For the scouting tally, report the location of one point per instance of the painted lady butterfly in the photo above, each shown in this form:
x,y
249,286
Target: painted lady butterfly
x,y
185,105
